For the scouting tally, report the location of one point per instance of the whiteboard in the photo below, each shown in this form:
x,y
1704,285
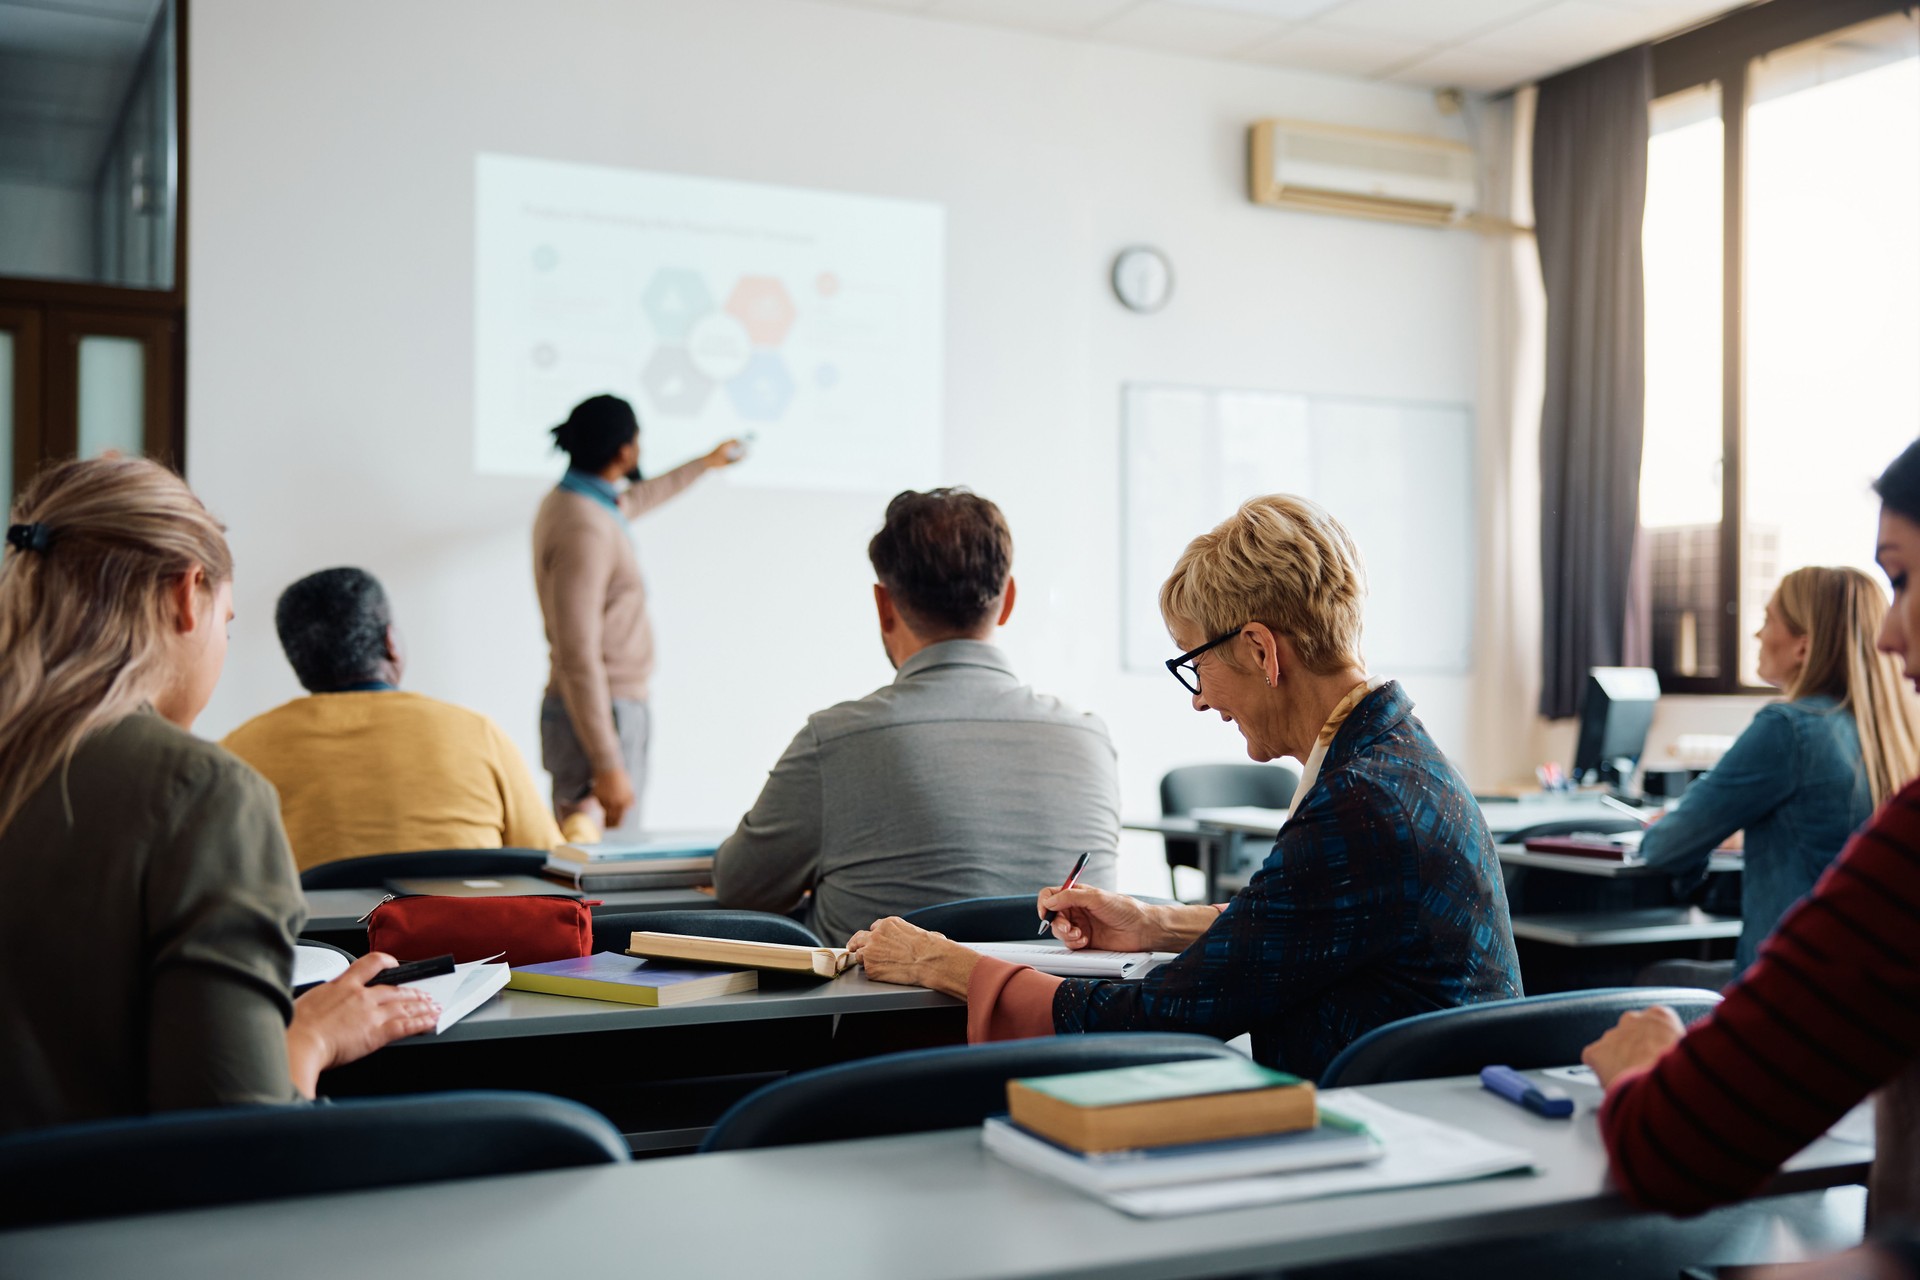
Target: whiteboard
x,y
1397,474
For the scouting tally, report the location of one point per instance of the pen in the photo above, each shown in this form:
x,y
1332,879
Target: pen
x,y
1073,877
1632,811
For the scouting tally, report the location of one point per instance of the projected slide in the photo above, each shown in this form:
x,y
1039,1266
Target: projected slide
x,y
808,319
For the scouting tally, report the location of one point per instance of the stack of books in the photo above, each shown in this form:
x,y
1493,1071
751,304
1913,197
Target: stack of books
x,y
662,861
1171,1123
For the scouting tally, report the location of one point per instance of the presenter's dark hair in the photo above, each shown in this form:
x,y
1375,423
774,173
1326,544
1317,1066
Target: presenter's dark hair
x,y
1899,485
333,626
944,556
597,429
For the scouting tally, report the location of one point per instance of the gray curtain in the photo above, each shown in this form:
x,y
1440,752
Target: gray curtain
x,y
1589,193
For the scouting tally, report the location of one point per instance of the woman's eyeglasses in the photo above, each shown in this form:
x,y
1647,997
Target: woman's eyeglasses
x,y
1183,668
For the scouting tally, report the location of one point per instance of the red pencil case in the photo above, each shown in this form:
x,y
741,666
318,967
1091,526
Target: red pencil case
x,y
530,930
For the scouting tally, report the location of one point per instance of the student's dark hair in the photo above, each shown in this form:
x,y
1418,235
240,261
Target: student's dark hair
x,y
1899,485
333,626
597,429
944,556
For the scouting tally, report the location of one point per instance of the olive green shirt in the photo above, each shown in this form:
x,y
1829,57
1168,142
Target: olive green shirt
x,y
148,909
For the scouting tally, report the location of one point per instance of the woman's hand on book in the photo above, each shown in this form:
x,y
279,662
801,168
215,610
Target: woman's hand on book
x,y
340,1021
898,952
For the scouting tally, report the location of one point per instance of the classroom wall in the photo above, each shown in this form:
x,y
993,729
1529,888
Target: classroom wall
x,y
329,376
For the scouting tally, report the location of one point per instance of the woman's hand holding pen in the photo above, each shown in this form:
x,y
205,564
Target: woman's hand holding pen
x,y
1086,917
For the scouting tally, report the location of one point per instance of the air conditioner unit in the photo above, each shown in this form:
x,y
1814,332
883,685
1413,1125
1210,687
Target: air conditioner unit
x,y
1328,168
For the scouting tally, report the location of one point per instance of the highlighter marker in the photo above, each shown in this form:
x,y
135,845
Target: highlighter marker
x,y
1543,1099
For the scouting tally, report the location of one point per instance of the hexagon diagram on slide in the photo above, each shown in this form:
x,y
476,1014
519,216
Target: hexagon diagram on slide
x,y
673,299
763,389
674,384
764,306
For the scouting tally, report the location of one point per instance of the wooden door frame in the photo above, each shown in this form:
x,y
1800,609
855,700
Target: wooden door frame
x,y
158,334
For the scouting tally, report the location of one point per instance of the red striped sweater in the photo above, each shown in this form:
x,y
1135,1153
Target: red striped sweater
x,y
1829,1013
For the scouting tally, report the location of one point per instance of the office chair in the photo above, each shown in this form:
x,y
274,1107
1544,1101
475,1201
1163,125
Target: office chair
x,y
954,1087
374,871
1528,1033
1005,919
1219,786
611,931
193,1159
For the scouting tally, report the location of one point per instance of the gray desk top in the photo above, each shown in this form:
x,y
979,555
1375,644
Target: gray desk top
x,y
1515,855
335,909
1624,928
932,1206
513,1014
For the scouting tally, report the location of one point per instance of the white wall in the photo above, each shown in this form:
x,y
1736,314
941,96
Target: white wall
x,y
330,363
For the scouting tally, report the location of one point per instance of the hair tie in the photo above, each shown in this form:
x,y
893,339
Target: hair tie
x,y
29,537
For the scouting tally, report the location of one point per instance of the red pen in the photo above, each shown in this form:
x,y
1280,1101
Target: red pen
x,y
1073,878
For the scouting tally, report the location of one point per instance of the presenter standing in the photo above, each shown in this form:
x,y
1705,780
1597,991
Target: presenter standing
x,y
594,721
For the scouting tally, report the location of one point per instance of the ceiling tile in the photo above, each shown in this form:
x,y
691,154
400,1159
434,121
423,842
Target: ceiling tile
x,y
1072,16
1166,27
1459,69
1424,20
1568,32
1339,53
1287,10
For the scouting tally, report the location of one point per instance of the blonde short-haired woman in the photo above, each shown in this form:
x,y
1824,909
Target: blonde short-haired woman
x,y
1809,769
148,904
1382,897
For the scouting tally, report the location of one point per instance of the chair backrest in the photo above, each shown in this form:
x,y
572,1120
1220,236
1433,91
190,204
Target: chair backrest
x,y
1006,919
375,870
189,1159
953,1087
1526,1034
1572,826
611,931
1220,786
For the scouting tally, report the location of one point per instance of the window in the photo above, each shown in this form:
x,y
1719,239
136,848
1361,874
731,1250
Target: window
x,y
1783,314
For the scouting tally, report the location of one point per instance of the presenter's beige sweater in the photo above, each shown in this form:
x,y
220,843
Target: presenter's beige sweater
x,y
594,603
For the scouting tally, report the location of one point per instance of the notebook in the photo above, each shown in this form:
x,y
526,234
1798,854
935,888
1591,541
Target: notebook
x,y
660,849
1064,963
779,957
617,877
608,975
1321,1147
481,887
469,986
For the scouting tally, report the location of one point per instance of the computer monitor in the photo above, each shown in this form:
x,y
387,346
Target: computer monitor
x,y
1614,718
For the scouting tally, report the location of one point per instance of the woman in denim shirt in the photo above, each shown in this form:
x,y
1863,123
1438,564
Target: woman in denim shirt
x,y
1808,770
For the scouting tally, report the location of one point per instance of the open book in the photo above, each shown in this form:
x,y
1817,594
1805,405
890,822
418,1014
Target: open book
x,y
782,957
465,989
1063,963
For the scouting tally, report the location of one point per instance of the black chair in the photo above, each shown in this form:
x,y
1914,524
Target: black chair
x,y
1526,1034
373,871
191,1159
611,931
953,1087
1008,919
1219,786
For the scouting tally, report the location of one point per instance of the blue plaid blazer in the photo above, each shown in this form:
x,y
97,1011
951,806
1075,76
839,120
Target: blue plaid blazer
x,y
1381,899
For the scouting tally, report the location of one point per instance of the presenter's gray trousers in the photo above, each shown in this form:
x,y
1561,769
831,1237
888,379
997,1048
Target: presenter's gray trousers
x,y
564,757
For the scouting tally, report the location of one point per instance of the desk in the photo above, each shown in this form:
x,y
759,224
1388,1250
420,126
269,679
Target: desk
x,y
934,1206
1515,855
1631,928
662,1075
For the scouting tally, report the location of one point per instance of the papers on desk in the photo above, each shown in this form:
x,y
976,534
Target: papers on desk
x,y
317,964
465,989
1063,963
1417,1152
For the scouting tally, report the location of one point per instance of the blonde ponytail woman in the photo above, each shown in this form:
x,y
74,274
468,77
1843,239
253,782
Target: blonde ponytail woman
x,y
148,905
1810,769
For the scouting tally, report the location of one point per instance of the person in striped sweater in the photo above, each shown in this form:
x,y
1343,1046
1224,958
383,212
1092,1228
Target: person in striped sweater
x,y
1828,1014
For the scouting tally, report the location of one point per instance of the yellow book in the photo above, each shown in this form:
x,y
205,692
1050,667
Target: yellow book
x,y
1165,1104
607,975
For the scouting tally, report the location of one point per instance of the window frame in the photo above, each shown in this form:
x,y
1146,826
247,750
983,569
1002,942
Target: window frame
x,y
1722,52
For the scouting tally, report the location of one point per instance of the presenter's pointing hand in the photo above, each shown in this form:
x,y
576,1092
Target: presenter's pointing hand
x,y
725,454
614,790
1087,917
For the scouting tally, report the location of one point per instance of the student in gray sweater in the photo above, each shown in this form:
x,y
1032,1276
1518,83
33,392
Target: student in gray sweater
x,y
954,781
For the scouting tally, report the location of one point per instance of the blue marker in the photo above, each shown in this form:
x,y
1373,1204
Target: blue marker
x,y
1516,1088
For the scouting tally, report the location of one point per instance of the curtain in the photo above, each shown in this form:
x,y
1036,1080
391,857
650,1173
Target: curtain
x,y
1589,194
